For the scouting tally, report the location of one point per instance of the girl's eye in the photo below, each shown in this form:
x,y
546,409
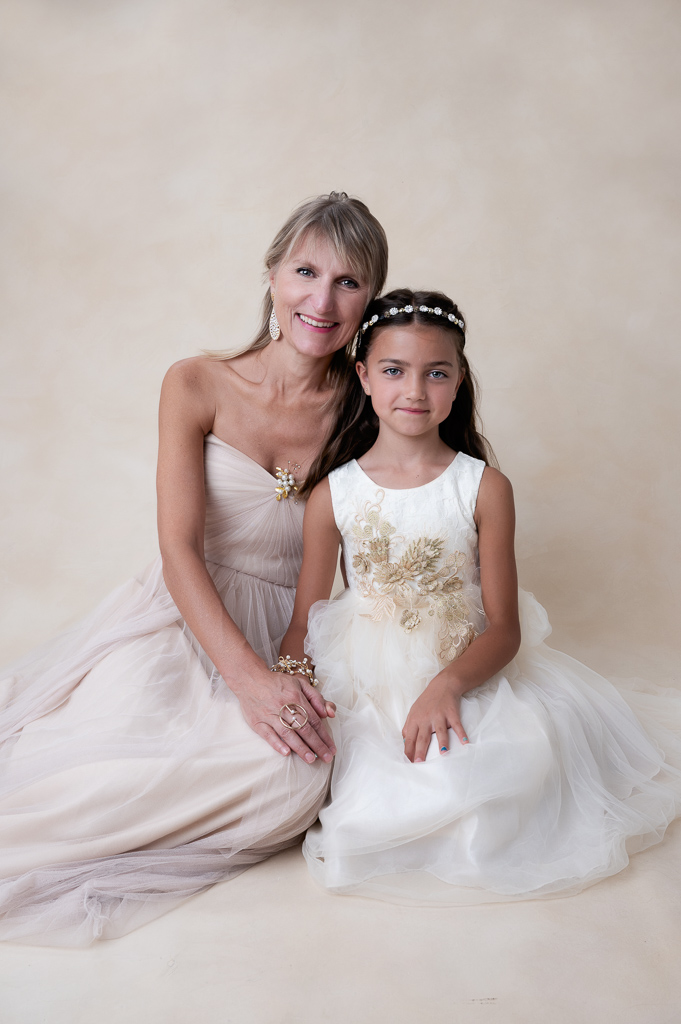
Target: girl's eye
x,y
392,371
438,374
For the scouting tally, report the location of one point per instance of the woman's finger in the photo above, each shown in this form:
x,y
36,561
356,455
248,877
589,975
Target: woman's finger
x,y
330,708
320,746
312,739
314,696
274,740
303,745
315,720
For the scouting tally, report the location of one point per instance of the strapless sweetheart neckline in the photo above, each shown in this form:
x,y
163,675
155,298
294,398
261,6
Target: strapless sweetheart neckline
x,y
238,451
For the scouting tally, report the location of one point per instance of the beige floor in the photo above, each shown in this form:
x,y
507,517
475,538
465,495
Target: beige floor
x,y
270,948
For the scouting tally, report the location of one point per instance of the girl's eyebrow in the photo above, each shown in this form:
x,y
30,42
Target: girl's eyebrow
x,y
402,362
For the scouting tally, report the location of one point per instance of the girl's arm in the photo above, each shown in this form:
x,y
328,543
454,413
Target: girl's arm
x,y
187,412
437,709
321,539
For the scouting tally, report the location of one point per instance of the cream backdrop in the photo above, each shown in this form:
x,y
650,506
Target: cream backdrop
x,y
523,156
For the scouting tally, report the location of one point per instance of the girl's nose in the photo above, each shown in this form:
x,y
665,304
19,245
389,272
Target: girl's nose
x,y
415,388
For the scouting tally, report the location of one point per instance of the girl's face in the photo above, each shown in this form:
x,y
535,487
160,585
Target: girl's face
x,y
412,373
318,299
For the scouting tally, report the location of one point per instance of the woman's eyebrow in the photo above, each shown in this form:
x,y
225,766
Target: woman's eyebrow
x,y
313,265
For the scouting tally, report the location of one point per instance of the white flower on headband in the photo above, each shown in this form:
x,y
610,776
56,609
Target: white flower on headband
x,y
393,311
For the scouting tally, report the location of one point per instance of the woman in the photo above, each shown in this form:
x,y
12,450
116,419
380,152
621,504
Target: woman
x,y
148,752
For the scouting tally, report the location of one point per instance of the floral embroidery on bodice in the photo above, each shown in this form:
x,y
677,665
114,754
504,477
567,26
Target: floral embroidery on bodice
x,y
413,553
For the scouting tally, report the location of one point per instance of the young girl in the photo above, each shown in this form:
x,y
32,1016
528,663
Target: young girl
x,y
471,766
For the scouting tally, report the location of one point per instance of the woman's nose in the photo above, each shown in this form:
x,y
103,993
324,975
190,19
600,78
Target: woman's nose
x,y
322,296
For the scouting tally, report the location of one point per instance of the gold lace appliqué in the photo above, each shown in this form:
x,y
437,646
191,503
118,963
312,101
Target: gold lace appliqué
x,y
423,580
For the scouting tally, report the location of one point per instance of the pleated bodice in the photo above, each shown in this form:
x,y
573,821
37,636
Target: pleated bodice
x,y
246,527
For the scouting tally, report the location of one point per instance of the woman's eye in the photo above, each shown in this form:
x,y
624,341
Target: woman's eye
x,y
349,282
304,271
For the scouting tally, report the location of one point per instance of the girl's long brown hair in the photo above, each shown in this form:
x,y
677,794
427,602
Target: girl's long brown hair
x,y
356,425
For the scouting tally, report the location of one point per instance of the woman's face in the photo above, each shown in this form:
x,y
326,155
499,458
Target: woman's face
x,y
318,299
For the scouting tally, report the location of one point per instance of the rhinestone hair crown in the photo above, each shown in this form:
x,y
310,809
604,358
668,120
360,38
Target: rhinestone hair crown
x,y
393,311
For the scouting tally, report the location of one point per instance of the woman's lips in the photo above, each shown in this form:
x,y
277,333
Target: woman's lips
x,y
315,324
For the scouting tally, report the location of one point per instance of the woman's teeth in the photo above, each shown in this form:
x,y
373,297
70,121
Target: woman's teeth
x,y
315,323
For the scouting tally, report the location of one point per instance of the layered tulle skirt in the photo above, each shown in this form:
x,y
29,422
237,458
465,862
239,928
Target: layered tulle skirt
x,y
563,778
129,779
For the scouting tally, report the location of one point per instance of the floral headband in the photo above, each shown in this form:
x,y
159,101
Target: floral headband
x,y
393,311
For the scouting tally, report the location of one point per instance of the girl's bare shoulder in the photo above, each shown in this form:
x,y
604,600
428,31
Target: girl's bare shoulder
x,y
495,494
320,496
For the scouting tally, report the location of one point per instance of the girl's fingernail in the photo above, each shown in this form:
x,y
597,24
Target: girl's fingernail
x,y
418,760
443,750
465,739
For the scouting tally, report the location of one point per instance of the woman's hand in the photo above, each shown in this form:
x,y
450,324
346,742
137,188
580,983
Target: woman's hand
x,y
436,711
261,704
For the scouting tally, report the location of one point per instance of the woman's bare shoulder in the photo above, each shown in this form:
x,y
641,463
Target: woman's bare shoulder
x,y
190,390
195,373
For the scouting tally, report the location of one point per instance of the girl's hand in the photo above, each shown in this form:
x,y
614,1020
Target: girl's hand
x,y
436,711
261,703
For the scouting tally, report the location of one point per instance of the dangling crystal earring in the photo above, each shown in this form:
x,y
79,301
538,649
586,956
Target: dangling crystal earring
x,y
275,329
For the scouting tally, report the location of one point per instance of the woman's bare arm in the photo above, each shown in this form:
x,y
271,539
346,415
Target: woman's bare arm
x,y
437,709
187,412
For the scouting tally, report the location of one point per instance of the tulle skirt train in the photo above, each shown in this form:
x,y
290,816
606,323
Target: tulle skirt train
x,y
564,776
128,777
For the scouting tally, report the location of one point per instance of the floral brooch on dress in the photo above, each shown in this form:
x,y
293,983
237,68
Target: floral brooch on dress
x,y
287,483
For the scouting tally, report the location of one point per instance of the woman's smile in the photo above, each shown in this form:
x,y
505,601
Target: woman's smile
x,y
317,325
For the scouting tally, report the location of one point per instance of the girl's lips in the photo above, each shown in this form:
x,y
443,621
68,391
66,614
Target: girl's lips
x,y
314,324
417,412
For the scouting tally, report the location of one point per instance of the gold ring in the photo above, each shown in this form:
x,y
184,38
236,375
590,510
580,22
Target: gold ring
x,y
292,710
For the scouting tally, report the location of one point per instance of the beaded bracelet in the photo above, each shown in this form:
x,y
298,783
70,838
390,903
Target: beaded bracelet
x,y
291,667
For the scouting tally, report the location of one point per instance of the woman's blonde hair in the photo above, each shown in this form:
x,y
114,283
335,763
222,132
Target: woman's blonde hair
x,y
354,233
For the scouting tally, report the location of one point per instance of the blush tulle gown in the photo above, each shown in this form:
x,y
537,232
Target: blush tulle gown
x,y
128,777
564,775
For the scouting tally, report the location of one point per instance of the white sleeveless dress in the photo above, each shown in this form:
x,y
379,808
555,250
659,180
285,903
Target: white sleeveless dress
x,y
128,777
560,781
